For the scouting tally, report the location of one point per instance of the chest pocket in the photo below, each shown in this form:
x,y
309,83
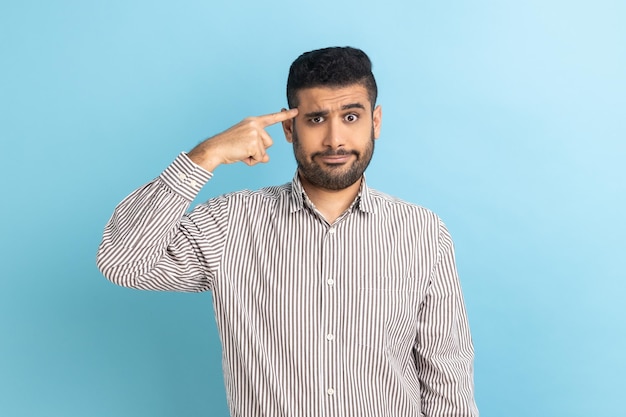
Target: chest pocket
x,y
384,317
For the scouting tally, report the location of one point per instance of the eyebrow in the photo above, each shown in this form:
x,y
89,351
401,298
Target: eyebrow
x,y
322,113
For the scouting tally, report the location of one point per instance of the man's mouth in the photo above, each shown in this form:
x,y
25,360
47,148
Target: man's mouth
x,y
335,158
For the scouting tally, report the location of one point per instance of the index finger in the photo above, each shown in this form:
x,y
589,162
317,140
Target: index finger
x,y
281,116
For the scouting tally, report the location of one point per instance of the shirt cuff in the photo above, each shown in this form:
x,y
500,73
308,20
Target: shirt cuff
x,y
185,177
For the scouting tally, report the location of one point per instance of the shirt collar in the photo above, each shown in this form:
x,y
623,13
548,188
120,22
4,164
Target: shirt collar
x,y
299,199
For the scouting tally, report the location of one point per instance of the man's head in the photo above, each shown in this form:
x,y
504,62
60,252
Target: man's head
x,y
333,134
331,67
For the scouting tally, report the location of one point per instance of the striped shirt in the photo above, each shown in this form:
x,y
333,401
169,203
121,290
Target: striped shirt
x,y
362,317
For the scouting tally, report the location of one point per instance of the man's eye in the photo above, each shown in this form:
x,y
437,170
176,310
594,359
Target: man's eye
x,y
317,119
351,117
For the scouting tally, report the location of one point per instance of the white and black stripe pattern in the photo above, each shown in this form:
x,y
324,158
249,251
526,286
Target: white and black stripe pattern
x,y
364,317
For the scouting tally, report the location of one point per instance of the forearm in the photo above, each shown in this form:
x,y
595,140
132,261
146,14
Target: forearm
x,y
148,241
444,350
447,376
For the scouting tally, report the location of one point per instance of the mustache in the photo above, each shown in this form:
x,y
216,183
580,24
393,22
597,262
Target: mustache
x,y
338,152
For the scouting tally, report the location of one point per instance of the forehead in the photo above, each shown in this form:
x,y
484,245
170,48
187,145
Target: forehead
x,y
332,98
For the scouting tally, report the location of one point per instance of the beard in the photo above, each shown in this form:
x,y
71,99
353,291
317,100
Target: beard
x,y
334,177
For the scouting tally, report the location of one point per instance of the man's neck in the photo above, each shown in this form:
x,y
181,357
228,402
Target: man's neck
x,y
331,203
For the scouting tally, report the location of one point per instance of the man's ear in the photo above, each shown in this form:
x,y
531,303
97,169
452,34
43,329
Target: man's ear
x,y
288,128
377,117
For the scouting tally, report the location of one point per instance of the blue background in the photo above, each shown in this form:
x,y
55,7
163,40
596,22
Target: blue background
x,y
505,117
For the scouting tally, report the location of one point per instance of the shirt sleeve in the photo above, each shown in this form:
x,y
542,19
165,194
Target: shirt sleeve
x,y
151,243
444,349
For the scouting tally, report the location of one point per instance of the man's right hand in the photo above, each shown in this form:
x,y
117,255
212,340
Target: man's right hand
x,y
247,141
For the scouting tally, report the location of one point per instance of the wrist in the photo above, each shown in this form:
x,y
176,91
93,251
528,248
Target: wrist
x,y
204,158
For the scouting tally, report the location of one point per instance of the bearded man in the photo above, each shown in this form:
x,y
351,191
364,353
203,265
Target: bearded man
x,y
331,298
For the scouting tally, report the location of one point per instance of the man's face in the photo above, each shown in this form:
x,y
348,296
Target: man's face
x,y
333,135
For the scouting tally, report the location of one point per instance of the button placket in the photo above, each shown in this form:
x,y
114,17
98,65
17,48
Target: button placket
x,y
330,357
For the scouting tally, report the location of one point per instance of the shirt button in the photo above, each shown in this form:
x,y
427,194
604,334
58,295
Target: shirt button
x,y
331,230
330,391
193,183
330,337
331,281
182,176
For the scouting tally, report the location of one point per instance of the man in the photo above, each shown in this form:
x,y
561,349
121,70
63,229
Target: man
x,y
331,298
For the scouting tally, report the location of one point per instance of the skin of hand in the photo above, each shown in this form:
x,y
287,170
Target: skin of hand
x,y
247,141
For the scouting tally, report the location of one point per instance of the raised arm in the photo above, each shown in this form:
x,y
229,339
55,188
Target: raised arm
x,y
247,142
151,243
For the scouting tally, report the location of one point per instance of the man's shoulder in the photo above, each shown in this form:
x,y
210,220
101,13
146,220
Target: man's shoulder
x,y
386,202
267,194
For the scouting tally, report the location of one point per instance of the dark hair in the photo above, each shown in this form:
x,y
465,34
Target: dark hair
x,y
331,67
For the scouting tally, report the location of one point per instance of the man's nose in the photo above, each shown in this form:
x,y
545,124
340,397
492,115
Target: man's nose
x,y
335,137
